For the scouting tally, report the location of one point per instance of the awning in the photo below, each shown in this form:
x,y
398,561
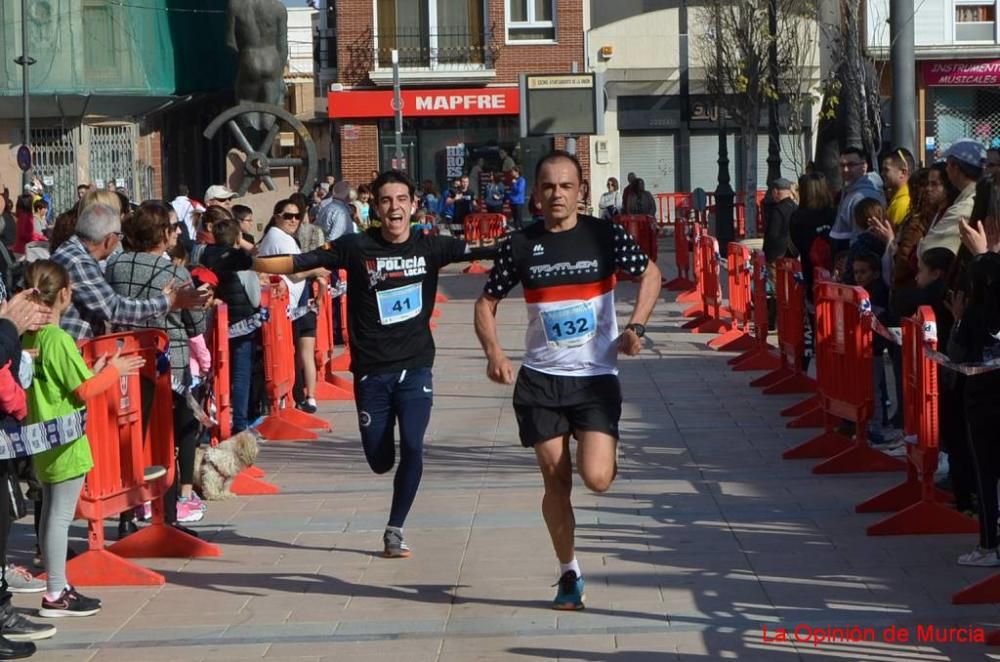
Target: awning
x,y
77,105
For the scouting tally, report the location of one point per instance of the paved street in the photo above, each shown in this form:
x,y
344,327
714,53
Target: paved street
x,y
706,537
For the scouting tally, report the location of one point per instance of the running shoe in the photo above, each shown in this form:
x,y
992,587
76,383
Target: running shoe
x,y
187,512
980,558
18,628
69,603
308,406
20,580
395,546
570,596
197,502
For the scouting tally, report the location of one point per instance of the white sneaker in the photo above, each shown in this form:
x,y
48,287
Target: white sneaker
x,y
980,558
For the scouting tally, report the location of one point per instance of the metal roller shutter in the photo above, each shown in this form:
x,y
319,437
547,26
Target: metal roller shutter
x,y
787,143
650,157
705,161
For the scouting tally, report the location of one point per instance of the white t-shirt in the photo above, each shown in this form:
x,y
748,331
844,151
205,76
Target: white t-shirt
x,y
279,242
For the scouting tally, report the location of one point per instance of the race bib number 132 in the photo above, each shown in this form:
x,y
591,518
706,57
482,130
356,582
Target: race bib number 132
x,y
570,326
400,303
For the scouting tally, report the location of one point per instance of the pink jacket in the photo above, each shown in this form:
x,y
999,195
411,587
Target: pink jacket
x,y
201,358
13,399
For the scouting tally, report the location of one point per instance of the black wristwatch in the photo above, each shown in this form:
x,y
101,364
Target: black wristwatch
x,y
637,329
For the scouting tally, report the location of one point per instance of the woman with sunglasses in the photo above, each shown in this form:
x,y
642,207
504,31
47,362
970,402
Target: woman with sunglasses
x,y
280,240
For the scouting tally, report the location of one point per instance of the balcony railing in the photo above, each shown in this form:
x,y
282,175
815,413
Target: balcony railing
x,y
454,49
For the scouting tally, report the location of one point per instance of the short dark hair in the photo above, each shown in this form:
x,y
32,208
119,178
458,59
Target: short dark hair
x,y
857,151
555,156
901,158
873,261
40,204
225,231
147,227
241,212
866,208
939,258
393,177
82,187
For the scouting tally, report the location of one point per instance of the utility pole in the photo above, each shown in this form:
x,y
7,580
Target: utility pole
x,y
773,134
904,102
25,61
724,194
397,107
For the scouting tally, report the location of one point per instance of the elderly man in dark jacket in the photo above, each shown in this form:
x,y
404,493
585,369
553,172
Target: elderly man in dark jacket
x,y
778,210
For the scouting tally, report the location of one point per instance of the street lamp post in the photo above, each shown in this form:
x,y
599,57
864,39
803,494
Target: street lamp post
x,y
724,195
773,135
904,85
25,61
397,107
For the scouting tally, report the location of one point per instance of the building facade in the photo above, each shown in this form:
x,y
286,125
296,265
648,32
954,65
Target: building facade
x,y
958,68
660,122
460,62
107,78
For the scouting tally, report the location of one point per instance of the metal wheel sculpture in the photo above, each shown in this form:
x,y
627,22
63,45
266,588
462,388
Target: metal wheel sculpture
x,y
259,161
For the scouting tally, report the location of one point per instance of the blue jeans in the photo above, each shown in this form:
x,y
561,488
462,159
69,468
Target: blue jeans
x,y
241,361
382,400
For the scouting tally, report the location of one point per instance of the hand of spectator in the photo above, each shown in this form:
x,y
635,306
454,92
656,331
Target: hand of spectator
x,y
500,370
955,303
101,363
187,297
881,228
128,365
26,315
629,343
973,237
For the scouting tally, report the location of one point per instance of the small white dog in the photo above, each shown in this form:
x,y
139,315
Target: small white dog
x,y
217,467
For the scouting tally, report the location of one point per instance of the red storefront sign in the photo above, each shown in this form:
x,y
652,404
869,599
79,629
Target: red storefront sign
x,y
961,73
426,103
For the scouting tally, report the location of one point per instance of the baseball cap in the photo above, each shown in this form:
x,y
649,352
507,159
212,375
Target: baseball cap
x,y
218,192
201,275
968,151
781,184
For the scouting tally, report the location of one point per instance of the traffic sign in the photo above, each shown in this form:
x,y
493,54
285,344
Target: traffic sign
x,y
24,158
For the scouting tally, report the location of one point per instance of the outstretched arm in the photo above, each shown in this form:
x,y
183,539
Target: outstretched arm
x,y
499,368
328,256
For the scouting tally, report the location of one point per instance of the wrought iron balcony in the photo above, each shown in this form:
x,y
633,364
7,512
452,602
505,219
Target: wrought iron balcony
x,y
456,54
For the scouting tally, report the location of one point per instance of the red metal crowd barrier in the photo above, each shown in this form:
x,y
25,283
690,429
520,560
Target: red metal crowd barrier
x,y
682,256
123,444
694,294
761,357
921,506
790,297
846,385
483,230
247,482
709,285
342,361
669,207
643,230
329,385
285,422
740,285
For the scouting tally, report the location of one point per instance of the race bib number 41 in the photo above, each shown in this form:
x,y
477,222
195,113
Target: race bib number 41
x,y
570,326
400,303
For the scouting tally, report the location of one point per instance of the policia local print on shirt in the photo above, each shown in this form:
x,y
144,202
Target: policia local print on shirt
x,y
391,290
569,282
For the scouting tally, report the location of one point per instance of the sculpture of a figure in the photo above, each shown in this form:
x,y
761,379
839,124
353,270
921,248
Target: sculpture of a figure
x,y
258,31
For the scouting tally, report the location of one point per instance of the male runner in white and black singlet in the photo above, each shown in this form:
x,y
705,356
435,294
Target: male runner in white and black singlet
x,y
568,383
392,278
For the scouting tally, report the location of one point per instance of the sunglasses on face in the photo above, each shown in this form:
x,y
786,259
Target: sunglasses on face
x,y
289,216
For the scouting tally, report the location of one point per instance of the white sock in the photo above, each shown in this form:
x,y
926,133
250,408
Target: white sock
x,y
52,597
572,565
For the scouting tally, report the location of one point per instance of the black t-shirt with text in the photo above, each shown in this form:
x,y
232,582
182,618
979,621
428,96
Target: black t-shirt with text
x,y
391,290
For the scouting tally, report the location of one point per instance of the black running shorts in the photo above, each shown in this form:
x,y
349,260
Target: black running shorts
x,y
305,326
550,406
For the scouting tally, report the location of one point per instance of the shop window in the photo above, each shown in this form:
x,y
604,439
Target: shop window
x,y
531,20
975,21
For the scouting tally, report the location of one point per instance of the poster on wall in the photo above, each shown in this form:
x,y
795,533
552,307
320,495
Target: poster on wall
x,y
455,155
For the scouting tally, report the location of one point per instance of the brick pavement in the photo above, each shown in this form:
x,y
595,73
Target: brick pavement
x,y
705,538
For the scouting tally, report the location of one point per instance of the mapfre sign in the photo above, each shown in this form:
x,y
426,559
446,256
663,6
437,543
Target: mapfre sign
x,y
425,103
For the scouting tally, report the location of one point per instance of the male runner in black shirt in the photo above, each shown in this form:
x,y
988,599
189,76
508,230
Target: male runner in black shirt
x,y
568,382
392,278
